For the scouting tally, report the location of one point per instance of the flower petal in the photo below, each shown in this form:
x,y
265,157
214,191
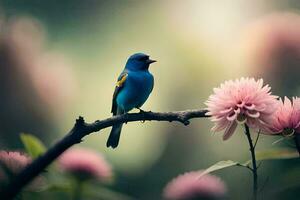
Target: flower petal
x,y
232,116
226,110
229,130
249,106
253,113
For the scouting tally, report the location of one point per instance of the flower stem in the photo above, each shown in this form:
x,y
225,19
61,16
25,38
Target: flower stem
x,y
77,190
254,166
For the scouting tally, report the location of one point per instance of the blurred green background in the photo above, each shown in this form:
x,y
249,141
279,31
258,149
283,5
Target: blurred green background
x,y
74,50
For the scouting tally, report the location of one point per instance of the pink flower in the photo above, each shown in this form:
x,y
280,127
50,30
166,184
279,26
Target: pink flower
x,y
286,119
271,49
193,186
11,163
85,164
37,85
49,72
14,161
241,101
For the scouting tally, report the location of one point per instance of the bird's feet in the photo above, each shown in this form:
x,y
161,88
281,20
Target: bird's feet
x,y
126,117
143,112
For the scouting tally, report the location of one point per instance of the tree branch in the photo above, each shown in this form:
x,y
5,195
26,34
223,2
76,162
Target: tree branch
x,y
80,130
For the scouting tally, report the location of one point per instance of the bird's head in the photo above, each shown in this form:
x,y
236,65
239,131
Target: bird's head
x,y
138,61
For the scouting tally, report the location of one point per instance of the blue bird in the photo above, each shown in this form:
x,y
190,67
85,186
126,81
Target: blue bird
x,y
133,88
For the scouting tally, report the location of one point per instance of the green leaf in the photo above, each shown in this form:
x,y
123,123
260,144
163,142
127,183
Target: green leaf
x,y
34,147
275,154
220,165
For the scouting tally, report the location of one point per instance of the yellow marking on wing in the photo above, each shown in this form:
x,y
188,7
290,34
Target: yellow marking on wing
x,y
123,79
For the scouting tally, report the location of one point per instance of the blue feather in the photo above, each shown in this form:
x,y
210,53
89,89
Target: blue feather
x,y
132,91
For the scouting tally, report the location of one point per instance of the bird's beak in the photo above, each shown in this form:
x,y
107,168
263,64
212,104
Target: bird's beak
x,y
151,61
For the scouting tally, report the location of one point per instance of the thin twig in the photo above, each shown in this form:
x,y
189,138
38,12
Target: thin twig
x,y
246,166
256,140
254,167
264,184
259,164
80,130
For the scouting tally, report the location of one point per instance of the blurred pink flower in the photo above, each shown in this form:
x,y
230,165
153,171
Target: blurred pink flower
x,y
286,119
37,83
190,186
241,101
11,163
85,164
49,72
14,161
271,49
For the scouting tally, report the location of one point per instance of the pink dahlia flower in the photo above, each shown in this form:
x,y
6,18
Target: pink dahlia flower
x,y
190,186
85,164
11,163
241,101
286,119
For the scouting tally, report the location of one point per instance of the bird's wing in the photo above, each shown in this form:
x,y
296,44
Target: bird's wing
x,y
119,85
152,82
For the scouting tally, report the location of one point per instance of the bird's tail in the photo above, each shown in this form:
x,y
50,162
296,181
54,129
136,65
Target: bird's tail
x,y
113,139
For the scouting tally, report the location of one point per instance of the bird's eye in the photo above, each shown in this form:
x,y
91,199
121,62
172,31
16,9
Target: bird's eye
x,y
144,58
